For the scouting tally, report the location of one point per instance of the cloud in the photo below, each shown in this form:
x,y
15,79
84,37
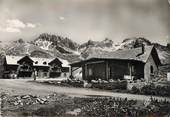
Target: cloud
x,y
11,29
15,26
30,25
61,18
15,23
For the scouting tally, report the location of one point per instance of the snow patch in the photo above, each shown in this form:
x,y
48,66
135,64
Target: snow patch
x,y
44,44
65,62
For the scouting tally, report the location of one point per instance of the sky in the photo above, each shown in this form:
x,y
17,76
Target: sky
x,y
81,20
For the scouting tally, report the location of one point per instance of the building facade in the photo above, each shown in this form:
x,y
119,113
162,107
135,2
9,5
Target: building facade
x,y
25,66
137,63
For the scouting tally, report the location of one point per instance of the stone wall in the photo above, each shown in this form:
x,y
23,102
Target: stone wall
x,y
147,69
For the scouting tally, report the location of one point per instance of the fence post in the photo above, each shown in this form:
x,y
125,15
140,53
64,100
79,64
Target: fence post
x,y
168,76
0,106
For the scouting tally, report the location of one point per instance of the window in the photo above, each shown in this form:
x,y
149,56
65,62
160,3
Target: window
x,y
44,63
133,68
36,62
151,69
45,74
90,72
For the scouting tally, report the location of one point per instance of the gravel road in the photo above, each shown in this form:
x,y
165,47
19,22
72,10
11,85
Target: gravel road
x,y
27,86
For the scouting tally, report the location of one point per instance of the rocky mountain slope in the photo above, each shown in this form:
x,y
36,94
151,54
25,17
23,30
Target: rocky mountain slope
x,y
108,45
47,45
35,49
59,43
91,47
163,51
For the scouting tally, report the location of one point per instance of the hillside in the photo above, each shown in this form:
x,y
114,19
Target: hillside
x,y
51,42
91,47
63,48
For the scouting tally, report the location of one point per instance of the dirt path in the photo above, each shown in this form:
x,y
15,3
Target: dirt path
x,y
25,86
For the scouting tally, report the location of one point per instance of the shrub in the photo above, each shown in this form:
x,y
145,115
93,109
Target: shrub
x,y
45,112
154,90
122,85
72,83
135,90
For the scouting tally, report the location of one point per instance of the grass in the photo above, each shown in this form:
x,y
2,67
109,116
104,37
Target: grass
x,y
60,105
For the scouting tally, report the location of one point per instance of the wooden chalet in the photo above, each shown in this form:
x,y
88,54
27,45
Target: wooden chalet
x,y
19,66
25,67
134,63
55,68
41,66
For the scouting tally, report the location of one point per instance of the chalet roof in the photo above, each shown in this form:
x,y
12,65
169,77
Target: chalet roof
x,y
65,63
55,60
27,58
41,61
131,54
134,54
12,60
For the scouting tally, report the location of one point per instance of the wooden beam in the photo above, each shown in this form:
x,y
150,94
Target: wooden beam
x,y
86,73
83,72
71,71
107,70
130,70
75,69
94,62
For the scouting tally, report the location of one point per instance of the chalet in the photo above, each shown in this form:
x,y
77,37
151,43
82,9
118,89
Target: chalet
x,y
41,66
55,68
136,63
24,66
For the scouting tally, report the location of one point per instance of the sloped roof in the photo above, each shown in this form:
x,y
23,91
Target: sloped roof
x,y
65,63
131,54
12,60
41,61
55,60
27,58
134,54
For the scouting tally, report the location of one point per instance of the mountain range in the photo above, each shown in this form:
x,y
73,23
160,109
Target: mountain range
x,y
48,45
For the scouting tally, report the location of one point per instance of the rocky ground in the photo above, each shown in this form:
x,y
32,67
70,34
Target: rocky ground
x,y
24,98
90,106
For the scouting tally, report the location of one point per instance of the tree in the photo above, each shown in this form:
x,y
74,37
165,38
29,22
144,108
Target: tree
x,y
20,41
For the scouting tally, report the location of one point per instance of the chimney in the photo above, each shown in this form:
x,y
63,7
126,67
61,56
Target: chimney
x,y
143,49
